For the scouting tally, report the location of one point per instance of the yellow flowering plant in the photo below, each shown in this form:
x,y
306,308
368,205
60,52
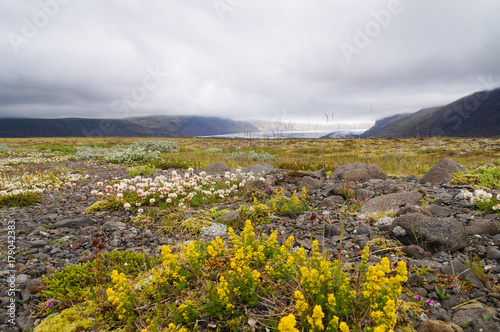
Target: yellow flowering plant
x,y
293,206
229,279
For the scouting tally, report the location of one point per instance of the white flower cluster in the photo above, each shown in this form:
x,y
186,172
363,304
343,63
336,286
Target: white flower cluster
x,y
31,158
37,183
173,189
481,196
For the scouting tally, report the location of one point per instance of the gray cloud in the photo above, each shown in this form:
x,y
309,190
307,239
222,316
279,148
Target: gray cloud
x,y
244,59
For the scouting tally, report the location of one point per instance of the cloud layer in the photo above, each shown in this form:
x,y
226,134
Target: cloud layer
x,y
292,60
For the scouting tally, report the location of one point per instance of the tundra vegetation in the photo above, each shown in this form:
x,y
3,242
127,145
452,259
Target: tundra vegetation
x,y
247,278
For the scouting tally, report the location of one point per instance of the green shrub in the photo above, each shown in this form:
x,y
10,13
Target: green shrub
x,y
176,164
118,154
91,152
212,150
484,177
131,155
73,283
155,145
293,206
64,149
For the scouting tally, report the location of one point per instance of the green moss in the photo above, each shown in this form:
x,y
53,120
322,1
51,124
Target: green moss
x,y
408,315
170,221
103,206
258,212
466,179
193,225
142,170
26,199
76,318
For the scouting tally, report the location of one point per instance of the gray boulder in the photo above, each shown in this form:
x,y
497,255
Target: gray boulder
x,y
431,233
260,169
391,202
469,315
442,171
440,211
483,226
319,174
357,172
310,183
216,168
332,201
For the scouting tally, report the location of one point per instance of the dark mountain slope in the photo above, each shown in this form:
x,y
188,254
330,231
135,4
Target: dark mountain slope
x,y
475,115
159,126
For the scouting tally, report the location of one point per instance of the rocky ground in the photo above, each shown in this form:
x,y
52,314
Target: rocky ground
x,y
438,229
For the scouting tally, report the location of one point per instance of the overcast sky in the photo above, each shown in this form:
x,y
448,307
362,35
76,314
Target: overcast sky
x,y
292,60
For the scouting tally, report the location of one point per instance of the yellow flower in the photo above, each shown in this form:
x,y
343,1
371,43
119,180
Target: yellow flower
x,y
316,320
191,253
301,304
287,324
343,327
168,258
173,328
331,302
273,240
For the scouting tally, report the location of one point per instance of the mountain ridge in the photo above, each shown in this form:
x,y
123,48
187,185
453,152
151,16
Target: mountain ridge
x,y
474,115
157,125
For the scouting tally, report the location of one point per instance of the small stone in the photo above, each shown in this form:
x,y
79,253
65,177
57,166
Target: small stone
x,y
332,201
113,225
75,245
22,278
85,259
437,326
74,223
415,251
